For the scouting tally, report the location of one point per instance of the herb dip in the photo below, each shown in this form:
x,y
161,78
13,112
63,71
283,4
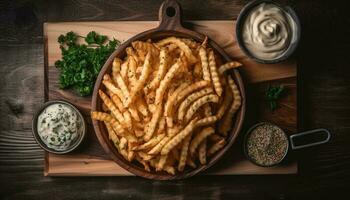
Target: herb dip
x,y
267,145
59,126
267,31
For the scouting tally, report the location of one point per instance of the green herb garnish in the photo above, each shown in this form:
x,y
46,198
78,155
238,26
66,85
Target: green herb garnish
x,y
273,94
81,63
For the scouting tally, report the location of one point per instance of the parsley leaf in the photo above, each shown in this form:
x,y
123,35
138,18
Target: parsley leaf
x,y
94,38
273,94
81,63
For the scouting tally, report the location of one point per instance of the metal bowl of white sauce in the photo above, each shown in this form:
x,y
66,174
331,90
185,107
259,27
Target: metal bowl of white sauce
x,y
58,127
267,32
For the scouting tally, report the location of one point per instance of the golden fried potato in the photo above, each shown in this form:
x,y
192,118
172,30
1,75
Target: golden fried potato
x,y
163,101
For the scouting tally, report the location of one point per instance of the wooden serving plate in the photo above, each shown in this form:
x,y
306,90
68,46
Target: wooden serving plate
x,y
91,160
170,25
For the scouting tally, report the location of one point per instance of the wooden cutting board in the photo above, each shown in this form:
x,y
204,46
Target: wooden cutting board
x,y
90,159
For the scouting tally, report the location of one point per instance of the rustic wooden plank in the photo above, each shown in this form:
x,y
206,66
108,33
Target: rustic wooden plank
x,y
85,165
255,73
252,71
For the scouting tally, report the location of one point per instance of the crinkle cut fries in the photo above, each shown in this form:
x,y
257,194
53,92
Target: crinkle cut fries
x,y
164,100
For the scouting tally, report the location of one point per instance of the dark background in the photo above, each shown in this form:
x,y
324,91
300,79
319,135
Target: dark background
x,y
324,98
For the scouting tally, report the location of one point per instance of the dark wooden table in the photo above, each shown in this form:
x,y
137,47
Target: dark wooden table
x,y
324,92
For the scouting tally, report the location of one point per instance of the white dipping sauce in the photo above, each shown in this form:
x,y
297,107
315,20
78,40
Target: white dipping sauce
x,y
59,126
267,31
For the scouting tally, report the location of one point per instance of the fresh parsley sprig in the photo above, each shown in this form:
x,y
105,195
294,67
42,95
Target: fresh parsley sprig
x,y
273,94
81,63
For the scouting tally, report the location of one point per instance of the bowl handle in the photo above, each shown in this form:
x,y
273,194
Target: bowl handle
x,y
320,132
170,15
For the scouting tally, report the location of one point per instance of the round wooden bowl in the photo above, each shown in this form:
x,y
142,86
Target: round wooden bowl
x,y
170,25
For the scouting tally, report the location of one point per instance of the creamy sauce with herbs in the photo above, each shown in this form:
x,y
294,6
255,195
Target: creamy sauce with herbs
x,y
267,31
59,126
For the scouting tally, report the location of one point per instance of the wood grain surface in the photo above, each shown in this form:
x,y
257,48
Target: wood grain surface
x,y
323,71
257,77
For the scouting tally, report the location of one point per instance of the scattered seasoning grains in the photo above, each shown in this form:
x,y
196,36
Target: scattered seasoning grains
x,y
267,145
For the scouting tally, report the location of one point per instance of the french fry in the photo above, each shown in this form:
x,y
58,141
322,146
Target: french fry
x,y
156,149
151,143
179,137
161,126
131,155
169,105
116,66
141,107
145,47
184,152
207,121
112,107
123,143
170,47
193,87
131,53
127,119
190,99
111,87
164,57
123,152
197,139
144,163
165,82
124,68
190,43
227,66
161,162
145,156
225,124
205,65
225,104
132,73
202,152
216,147
116,100
181,45
152,108
198,103
111,134
151,127
134,114
170,170
214,74
105,108
146,70
174,130
105,117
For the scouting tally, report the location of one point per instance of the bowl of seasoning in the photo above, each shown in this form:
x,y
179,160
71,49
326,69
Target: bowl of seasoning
x,y
267,145
58,127
267,32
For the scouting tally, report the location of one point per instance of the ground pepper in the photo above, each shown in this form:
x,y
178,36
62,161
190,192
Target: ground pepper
x,y
267,144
